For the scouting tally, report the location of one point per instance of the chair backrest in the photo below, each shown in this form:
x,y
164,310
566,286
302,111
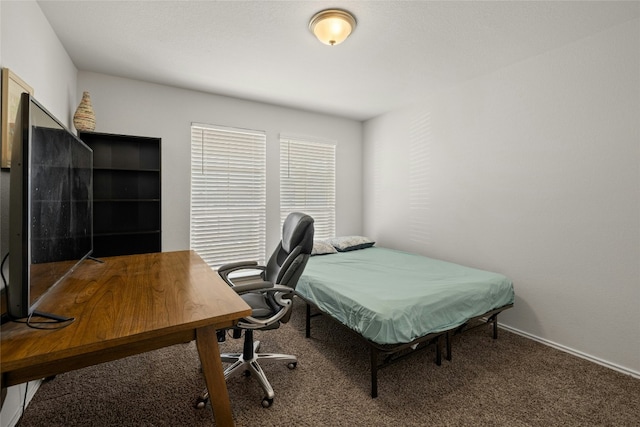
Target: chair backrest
x,y
290,257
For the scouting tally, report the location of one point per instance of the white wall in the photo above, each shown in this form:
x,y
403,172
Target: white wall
x,y
138,108
30,48
532,171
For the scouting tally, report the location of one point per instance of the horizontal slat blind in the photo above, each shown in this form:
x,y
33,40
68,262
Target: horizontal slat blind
x,y
308,182
228,194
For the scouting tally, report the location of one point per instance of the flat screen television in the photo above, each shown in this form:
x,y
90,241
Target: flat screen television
x,y
50,207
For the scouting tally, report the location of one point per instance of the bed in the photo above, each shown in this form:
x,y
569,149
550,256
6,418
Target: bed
x,y
400,302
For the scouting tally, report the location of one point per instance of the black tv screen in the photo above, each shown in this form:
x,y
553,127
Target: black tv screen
x,y
51,206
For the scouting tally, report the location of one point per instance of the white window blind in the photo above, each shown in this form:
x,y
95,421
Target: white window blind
x,y
228,194
308,182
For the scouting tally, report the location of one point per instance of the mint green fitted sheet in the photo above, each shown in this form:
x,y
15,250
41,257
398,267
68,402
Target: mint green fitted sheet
x,y
393,297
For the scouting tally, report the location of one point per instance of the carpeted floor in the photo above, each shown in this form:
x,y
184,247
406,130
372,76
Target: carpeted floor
x,y
511,381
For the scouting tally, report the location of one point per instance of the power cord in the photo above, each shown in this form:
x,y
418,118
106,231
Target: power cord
x,y
56,322
5,316
24,399
30,323
6,289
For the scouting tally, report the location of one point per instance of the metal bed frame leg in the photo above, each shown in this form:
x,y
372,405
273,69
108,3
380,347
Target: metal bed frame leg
x,y
494,320
374,372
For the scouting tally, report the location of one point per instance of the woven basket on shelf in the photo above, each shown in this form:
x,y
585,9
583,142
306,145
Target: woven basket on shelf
x,y
85,119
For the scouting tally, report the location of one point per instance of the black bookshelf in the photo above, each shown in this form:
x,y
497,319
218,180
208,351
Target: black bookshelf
x,y
126,193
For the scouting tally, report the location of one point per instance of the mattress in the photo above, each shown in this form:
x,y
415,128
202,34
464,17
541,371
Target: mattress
x,y
394,297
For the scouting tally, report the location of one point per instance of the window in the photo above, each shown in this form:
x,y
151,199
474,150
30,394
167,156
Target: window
x,y
308,182
228,194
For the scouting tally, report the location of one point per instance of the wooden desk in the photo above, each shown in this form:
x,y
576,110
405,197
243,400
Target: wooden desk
x,y
125,306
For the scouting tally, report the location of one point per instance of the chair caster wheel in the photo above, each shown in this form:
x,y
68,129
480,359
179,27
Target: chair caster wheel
x,y
266,402
292,365
201,403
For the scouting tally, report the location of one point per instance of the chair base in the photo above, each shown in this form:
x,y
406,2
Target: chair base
x,y
247,363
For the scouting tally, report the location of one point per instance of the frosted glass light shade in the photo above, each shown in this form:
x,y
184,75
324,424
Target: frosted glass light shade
x,y
332,26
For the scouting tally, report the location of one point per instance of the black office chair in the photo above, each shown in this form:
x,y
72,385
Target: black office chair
x,y
270,300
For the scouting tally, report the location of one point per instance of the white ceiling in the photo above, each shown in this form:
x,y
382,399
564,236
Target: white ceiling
x,y
400,53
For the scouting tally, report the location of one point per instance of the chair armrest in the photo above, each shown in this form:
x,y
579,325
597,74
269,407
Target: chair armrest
x,y
232,266
227,269
252,287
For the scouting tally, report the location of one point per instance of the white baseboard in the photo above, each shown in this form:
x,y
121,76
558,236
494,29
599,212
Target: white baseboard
x,y
12,408
569,350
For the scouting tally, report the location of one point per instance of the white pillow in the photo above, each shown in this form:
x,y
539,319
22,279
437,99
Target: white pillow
x,y
322,247
351,243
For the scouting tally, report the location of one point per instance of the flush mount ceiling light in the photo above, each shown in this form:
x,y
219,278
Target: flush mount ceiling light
x,y
332,26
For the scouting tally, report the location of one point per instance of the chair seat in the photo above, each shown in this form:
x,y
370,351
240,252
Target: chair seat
x,y
259,306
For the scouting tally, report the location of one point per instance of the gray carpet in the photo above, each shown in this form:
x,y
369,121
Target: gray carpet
x,y
511,381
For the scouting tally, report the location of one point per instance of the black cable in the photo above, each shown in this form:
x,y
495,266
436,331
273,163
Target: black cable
x,y
5,316
55,324
2,271
29,323
24,400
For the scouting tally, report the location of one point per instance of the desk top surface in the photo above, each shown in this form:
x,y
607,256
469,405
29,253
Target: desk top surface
x,y
121,301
